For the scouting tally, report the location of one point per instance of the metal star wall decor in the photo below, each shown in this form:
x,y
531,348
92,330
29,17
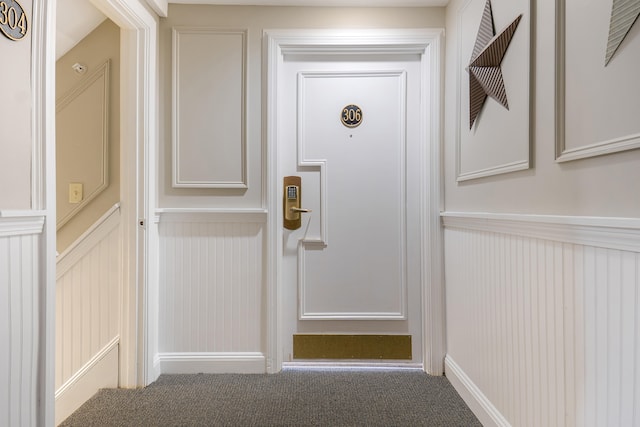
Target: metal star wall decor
x,y
485,74
624,13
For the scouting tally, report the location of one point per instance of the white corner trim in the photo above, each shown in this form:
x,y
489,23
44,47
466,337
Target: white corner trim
x,y
21,223
605,232
479,404
212,363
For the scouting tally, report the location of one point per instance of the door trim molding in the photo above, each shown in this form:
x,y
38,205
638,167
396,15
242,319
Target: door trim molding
x,y
138,124
427,43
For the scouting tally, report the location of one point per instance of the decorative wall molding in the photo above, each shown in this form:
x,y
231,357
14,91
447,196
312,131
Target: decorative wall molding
x,y
21,223
212,363
98,78
209,108
211,215
612,233
601,110
542,318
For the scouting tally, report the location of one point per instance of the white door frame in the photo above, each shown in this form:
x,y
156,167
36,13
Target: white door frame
x,y
427,43
139,124
138,136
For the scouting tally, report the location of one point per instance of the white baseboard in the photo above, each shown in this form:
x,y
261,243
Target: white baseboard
x,y
473,396
100,372
212,363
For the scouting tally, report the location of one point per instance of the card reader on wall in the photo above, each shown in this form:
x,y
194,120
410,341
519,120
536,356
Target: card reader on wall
x,y
292,199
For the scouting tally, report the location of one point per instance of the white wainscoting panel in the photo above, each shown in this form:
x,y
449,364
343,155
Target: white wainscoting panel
x,y
211,309
88,307
19,319
543,328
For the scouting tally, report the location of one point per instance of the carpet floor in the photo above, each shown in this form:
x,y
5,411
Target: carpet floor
x,y
294,397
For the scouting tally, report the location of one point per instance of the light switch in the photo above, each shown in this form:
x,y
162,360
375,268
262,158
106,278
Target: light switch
x,y
75,192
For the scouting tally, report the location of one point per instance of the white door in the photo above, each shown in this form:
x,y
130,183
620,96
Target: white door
x,y
353,267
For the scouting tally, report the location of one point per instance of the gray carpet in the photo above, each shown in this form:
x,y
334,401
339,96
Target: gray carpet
x,y
328,397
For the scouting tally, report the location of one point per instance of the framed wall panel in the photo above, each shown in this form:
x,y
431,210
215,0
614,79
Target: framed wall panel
x,y
499,139
598,105
82,132
209,108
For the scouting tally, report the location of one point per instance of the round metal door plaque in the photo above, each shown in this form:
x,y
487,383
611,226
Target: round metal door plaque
x,y
13,20
351,116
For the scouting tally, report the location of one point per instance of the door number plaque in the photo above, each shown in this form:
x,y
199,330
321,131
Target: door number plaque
x,y
351,116
13,20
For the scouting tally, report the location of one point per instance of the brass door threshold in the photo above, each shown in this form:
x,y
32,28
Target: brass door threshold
x,y
340,346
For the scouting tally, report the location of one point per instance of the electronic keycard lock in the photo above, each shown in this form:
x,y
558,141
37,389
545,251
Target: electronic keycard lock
x,y
291,200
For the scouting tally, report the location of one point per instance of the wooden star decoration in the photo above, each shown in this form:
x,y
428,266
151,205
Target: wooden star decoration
x,y
624,13
485,74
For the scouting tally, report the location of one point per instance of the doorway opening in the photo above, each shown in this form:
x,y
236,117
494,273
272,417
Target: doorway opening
x,y
284,47
121,347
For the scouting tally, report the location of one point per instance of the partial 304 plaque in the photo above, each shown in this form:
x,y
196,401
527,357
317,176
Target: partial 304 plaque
x,y
14,23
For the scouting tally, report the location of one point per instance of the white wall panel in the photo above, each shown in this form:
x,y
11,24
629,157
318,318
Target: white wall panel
x,y
88,307
544,330
211,269
19,319
209,108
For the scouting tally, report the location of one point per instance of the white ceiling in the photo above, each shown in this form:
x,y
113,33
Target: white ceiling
x,y
77,18
333,3
74,20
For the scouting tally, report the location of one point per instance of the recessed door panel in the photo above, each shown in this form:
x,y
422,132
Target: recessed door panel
x,y
354,269
351,131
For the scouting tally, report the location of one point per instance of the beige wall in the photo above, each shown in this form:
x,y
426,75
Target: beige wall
x,y
15,120
100,45
256,20
600,186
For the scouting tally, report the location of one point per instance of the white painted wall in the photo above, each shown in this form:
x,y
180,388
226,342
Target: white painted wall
x,y
541,310
27,223
600,186
15,120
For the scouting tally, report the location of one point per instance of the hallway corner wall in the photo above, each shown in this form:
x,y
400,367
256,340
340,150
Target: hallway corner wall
x,y
542,265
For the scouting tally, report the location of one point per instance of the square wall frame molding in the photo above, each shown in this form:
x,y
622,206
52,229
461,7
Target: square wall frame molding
x,y
500,140
597,106
209,68
87,139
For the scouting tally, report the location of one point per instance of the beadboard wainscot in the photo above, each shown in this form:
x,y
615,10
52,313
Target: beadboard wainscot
x,y
543,318
20,315
88,314
211,316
